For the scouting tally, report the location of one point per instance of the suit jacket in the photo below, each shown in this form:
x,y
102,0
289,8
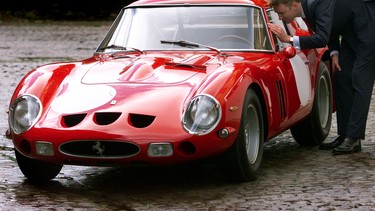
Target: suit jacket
x,y
319,14
354,21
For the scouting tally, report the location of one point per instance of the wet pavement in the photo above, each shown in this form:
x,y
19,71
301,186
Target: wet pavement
x,y
290,178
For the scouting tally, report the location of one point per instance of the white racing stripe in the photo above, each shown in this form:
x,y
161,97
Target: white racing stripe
x,y
83,99
303,80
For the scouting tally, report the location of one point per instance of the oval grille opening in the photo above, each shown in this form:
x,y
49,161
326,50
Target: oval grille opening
x,y
106,118
72,120
99,149
140,120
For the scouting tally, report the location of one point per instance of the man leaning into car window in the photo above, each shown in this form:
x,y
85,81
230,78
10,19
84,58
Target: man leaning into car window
x,y
317,13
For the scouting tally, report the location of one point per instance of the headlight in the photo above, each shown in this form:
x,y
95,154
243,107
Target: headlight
x,y
23,113
201,115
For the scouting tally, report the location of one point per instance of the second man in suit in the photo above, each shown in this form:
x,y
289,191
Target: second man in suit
x,y
353,62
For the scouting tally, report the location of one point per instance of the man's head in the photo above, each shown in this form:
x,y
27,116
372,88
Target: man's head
x,y
287,9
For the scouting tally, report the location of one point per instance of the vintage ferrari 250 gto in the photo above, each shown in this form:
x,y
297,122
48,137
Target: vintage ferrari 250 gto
x,y
174,81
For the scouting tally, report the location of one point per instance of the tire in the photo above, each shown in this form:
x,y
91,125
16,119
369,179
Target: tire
x,y
241,161
315,128
37,171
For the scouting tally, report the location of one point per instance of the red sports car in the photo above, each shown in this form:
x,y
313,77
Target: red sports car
x,y
174,81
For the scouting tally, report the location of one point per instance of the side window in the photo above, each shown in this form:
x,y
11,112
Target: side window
x,y
261,39
273,17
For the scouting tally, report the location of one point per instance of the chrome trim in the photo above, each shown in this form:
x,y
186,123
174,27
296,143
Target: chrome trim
x,y
12,107
183,122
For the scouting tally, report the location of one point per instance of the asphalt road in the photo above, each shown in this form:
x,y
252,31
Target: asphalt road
x,y
290,178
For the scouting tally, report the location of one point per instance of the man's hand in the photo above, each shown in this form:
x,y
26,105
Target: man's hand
x,y
335,62
279,32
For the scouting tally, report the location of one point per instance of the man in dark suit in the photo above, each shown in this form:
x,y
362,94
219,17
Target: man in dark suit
x,y
317,13
353,62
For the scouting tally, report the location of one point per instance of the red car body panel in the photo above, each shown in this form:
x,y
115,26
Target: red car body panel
x,y
159,84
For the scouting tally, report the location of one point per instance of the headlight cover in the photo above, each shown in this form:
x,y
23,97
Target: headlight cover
x,y
201,115
23,113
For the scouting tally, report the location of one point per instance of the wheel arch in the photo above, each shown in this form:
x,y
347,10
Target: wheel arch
x,y
262,100
325,58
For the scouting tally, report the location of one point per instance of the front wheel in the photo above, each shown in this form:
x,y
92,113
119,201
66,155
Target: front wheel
x,y
35,170
315,128
241,161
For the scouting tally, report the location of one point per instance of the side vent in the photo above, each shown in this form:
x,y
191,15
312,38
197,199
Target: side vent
x,y
281,98
140,120
106,118
72,120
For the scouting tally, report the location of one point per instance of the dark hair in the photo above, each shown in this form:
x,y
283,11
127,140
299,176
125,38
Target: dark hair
x,y
274,3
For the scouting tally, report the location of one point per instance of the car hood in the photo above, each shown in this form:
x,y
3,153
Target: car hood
x,y
134,88
148,69
132,82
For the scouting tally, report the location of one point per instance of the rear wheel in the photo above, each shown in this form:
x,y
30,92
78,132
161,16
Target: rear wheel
x,y
35,170
242,160
314,129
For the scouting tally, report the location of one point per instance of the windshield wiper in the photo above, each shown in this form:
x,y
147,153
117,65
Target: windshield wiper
x,y
188,44
119,47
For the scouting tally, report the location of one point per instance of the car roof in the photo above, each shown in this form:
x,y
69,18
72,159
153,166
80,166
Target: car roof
x,y
261,3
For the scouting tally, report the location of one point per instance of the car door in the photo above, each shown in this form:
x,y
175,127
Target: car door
x,y
295,85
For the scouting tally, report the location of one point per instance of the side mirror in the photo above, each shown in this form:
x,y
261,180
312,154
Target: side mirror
x,y
289,52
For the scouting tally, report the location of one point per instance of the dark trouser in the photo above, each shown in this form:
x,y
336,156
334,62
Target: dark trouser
x,y
353,90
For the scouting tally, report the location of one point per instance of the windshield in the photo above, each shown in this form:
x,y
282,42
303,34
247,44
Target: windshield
x,y
161,28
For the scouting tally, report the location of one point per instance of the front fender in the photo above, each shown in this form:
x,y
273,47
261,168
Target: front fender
x,y
45,81
229,85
